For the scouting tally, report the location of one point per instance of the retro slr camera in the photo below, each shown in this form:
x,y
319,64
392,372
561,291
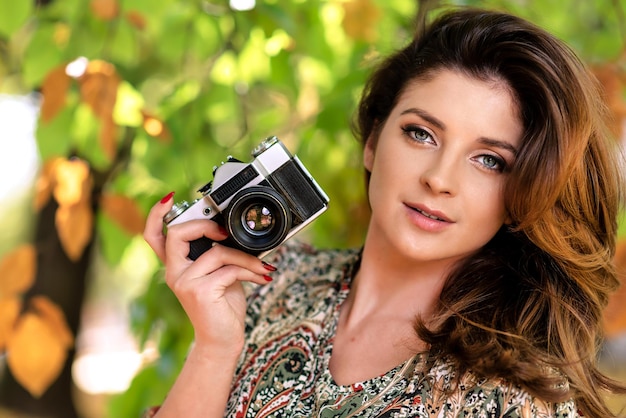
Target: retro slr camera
x,y
261,204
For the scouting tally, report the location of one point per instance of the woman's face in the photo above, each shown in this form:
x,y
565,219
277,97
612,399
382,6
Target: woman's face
x,y
439,167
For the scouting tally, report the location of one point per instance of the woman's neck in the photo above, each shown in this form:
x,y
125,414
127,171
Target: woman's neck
x,y
375,331
389,284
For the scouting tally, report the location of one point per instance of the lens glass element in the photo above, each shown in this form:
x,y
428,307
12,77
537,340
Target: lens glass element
x,y
258,218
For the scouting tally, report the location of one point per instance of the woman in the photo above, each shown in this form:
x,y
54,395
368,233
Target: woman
x,y
487,262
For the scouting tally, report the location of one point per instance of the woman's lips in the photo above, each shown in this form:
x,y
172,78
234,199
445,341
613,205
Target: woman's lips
x,y
428,221
429,213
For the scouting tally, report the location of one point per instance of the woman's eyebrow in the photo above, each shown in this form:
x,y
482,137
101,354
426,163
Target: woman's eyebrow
x,y
498,144
440,125
426,116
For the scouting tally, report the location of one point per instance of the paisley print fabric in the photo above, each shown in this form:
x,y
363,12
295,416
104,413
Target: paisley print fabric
x,y
283,372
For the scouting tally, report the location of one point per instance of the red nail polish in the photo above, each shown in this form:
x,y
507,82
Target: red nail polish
x,y
268,266
222,230
167,197
268,278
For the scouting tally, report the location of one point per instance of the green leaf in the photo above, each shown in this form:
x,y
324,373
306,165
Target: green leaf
x,y
207,37
253,60
180,96
41,55
225,69
14,14
153,10
149,388
176,32
274,16
68,11
124,47
91,40
113,241
85,132
53,138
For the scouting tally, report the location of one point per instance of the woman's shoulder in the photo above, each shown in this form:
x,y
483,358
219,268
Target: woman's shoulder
x,y
472,396
505,399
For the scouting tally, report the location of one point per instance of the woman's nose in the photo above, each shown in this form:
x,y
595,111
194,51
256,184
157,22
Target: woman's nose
x,y
440,176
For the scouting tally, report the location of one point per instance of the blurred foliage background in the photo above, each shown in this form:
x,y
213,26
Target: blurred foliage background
x,y
137,98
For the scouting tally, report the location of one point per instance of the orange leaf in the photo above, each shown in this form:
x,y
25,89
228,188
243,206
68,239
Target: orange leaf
x,y
108,134
45,182
360,17
54,90
615,312
98,88
136,19
155,127
72,182
75,228
54,316
105,9
17,270
9,311
613,79
125,212
36,354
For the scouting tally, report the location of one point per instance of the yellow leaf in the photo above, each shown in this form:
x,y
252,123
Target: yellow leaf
x,y
52,314
54,90
105,9
75,228
123,211
360,18
45,182
35,354
17,270
72,182
62,33
9,311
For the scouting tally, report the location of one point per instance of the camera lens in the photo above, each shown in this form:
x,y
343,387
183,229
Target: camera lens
x,y
258,219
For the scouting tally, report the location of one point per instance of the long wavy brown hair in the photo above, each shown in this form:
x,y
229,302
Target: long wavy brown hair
x,y
528,306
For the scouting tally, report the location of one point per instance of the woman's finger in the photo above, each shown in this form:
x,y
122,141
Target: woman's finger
x,y
153,231
179,236
201,289
220,256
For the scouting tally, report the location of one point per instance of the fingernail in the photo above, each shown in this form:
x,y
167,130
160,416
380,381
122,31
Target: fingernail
x,y
267,278
222,230
268,266
167,197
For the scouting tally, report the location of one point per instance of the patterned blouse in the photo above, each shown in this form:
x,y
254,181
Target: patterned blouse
x,y
283,372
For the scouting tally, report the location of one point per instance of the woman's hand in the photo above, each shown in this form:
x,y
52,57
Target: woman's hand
x,y
209,288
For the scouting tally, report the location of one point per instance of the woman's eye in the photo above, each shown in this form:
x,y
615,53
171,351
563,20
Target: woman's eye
x,y
491,162
417,134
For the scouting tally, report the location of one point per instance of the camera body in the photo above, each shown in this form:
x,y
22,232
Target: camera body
x,y
261,203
